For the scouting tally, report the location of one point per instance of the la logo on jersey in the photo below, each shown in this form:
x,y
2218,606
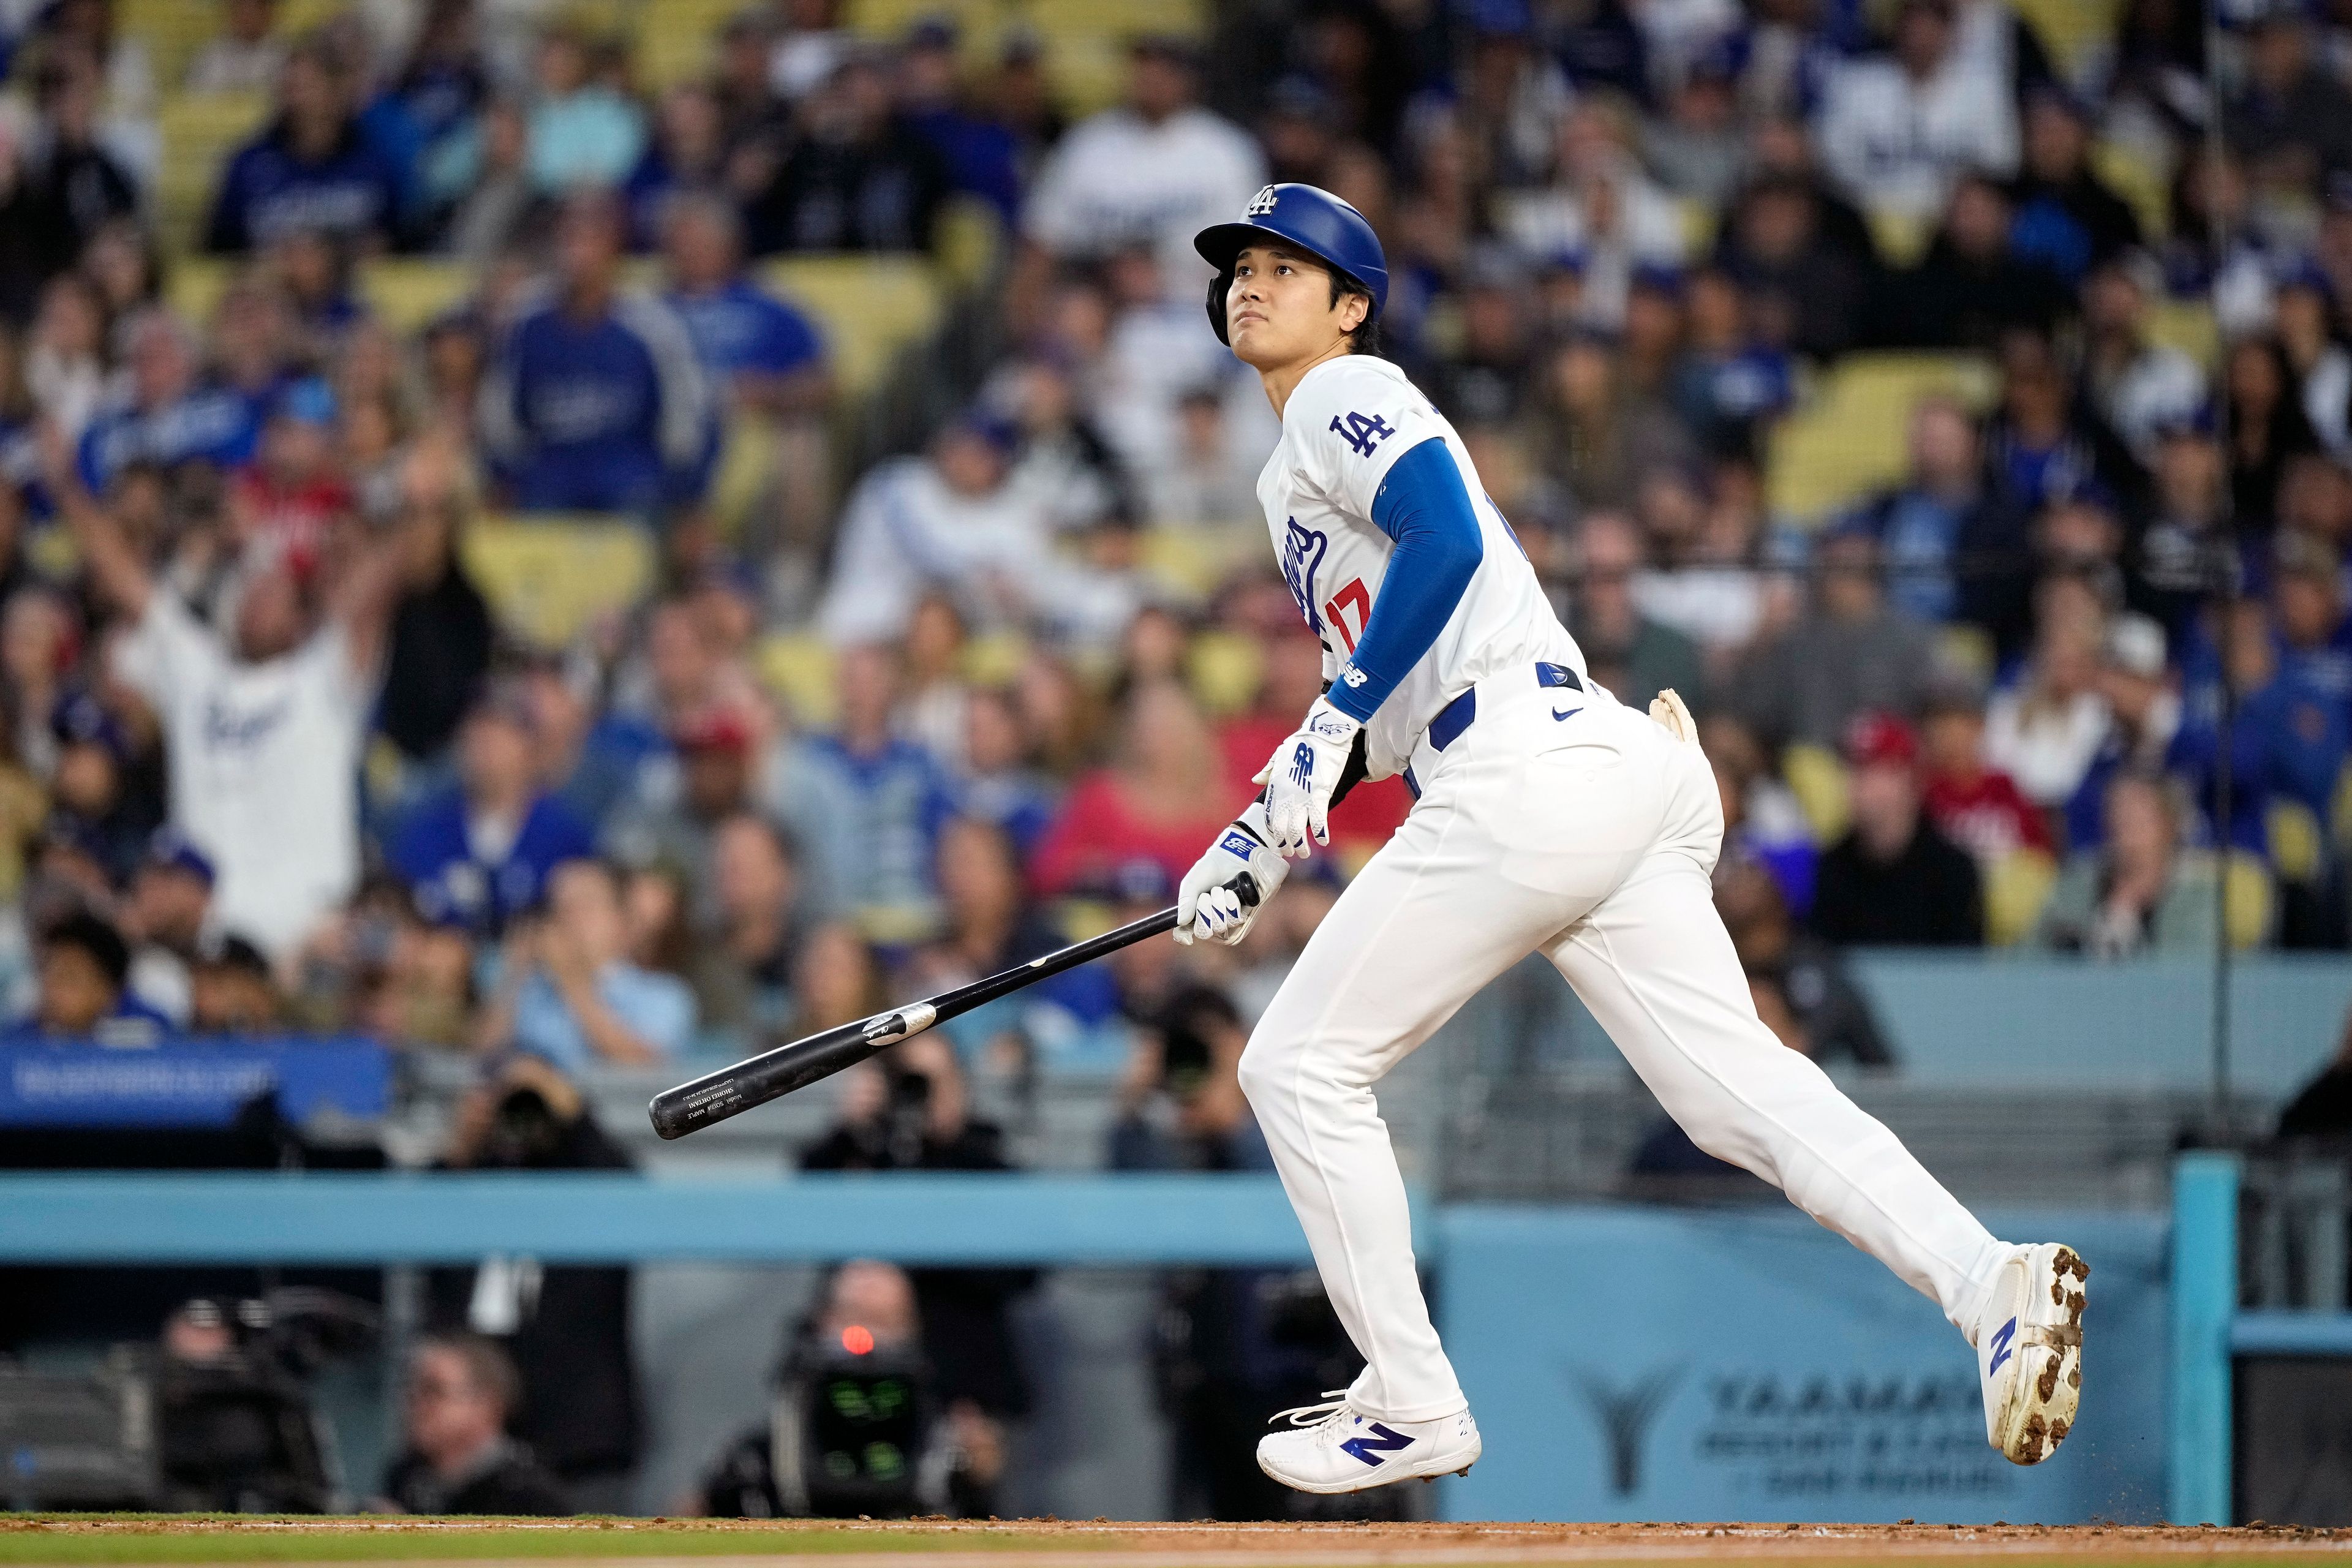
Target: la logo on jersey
x,y
1302,557
1260,204
1362,431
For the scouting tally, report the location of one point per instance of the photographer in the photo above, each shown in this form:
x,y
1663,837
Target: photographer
x,y
911,1112
858,1426
565,1327
459,1457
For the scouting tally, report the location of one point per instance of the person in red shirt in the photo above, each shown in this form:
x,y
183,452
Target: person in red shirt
x,y
288,498
1293,680
1977,807
1167,791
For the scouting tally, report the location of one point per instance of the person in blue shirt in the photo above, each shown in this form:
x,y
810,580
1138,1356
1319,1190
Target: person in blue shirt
x,y
982,156
481,851
884,848
568,993
596,401
2289,739
85,992
314,167
169,417
759,352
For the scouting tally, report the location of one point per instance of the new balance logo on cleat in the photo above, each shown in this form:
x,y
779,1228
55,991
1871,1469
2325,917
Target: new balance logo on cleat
x,y
2001,1342
1381,1441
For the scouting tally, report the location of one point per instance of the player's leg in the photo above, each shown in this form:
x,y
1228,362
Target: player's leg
x,y
1470,884
1656,968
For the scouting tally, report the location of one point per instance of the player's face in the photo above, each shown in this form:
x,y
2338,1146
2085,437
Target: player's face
x,y
1280,311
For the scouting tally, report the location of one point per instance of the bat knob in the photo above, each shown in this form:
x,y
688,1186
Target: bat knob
x,y
1247,886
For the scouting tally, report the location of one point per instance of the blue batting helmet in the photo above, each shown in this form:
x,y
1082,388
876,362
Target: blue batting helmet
x,y
1313,220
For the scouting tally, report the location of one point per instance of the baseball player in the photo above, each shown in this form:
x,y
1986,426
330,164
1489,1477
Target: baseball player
x,y
1548,818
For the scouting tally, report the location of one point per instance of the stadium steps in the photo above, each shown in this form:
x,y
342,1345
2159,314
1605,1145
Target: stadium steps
x,y
1847,439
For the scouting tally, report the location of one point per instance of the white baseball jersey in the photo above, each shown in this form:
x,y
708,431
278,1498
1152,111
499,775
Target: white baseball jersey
x,y
1347,423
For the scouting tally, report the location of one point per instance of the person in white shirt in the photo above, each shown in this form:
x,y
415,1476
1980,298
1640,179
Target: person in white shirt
x,y
1149,172
263,727
1895,130
949,521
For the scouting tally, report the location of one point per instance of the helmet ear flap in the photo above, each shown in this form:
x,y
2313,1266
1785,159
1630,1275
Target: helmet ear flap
x,y
1221,286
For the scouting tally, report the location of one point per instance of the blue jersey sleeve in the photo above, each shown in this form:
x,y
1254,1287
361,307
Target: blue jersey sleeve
x,y
1422,505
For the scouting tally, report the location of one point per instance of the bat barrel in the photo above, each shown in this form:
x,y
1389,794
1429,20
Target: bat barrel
x,y
731,1090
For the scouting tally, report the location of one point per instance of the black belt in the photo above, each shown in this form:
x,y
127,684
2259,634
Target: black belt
x,y
1456,716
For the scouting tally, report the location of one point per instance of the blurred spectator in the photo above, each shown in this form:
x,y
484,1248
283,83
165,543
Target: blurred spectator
x,y
583,134
857,1423
745,959
1801,282
2139,387
2288,739
1487,380
1162,794
165,920
1729,385
441,627
1624,650
1972,803
568,993
2307,608
2041,446
761,354
1596,435
164,415
1599,208
1762,821
2066,216
1897,129
2322,367
2183,551
1854,653
80,185
2137,894
1972,286
596,401
492,202
2265,428
949,521
564,1326
296,489
2045,726
263,727
92,803
1153,171
312,168
480,852
2289,116
65,368
981,154
245,56
1812,979
913,1112
1894,879
1954,547
231,990
456,1457
893,798
84,971
1695,146
990,926
857,178
2145,706
999,784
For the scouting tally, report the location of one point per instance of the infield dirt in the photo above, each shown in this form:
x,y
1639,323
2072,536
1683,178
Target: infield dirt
x,y
712,1544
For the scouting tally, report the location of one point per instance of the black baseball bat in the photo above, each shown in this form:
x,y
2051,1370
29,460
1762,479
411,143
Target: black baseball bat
x,y
755,1080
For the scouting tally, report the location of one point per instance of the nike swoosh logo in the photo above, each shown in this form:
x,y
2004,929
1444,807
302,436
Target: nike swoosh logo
x,y
1569,714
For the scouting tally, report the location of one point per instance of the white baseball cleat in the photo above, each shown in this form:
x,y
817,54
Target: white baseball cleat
x,y
2029,1351
1332,1449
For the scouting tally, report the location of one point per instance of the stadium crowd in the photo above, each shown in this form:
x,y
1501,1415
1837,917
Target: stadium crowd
x,y
271,758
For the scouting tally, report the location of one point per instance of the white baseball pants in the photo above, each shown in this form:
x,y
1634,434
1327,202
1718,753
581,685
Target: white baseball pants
x,y
1566,823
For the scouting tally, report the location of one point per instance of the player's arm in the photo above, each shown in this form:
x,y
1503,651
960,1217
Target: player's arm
x,y
1422,505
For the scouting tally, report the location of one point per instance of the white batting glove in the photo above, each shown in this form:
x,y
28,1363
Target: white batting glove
x,y
1209,906
1302,775
1669,710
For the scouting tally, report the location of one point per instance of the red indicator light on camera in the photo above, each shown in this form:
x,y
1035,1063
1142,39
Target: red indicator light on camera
x,y
858,1340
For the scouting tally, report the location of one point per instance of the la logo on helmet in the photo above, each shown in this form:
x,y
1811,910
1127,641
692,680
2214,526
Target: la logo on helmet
x,y
1260,204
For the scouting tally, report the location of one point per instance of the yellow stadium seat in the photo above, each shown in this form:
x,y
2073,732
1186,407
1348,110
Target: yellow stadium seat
x,y
2187,325
196,284
994,659
678,40
970,243
1223,669
1967,650
1848,437
406,291
2296,848
869,308
1902,238
549,578
2339,812
1817,779
798,671
2016,886
1192,558
1699,221
2247,904
2070,30
170,31
2139,179
199,132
